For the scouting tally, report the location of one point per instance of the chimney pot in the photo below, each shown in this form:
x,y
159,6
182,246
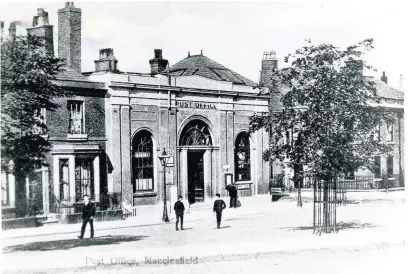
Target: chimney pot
x,y
158,64
69,4
188,54
384,78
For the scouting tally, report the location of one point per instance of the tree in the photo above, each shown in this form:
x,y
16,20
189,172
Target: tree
x,y
327,114
27,90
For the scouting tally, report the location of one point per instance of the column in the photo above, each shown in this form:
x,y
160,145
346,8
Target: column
x,y
55,177
45,190
71,179
97,181
127,187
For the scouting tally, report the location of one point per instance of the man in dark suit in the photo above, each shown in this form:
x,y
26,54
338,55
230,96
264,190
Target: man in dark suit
x,y
219,206
179,210
233,193
88,214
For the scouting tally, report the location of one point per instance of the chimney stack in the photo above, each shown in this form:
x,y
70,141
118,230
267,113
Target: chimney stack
x,y
42,28
107,61
158,64
269,64
69,36
12,29
384,78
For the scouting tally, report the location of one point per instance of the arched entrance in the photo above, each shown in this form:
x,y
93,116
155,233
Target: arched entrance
x,y
195,141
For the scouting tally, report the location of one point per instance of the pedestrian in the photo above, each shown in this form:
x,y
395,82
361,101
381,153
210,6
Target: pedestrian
x,y
88,214
219,206
233,193
179,210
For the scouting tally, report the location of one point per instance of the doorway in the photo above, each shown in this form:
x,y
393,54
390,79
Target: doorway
x,y
195,167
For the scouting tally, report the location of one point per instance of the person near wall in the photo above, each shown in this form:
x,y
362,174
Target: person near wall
x,y
233,193
219,206
88,214
179,210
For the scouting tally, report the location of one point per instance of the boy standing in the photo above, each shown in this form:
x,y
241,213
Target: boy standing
x,y
179,210
219,206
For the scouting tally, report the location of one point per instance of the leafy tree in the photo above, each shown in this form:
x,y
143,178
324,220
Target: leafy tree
x,y
328,110
27,89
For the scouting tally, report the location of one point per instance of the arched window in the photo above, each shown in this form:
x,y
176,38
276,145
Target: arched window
x,y
196,133
142,162
242,158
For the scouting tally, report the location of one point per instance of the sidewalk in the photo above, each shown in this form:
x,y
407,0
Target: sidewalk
x,y
152,215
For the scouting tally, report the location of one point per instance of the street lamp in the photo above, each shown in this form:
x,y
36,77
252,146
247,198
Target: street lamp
x,y
164,158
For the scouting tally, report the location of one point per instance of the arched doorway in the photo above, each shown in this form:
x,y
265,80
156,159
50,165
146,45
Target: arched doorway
x,y
195,139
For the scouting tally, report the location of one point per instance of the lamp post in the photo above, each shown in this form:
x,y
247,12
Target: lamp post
x,y
164,159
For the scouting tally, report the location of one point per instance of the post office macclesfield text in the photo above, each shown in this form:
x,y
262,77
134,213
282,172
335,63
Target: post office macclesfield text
x,y
195,105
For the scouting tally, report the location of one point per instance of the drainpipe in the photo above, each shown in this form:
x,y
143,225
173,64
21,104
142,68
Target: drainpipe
x,y
401,173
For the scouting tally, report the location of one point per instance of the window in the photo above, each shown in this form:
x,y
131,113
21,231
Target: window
x,y
375,136
84,178
5,189
242,158
39,115
76,117
196,133
390,165
390,132
142,162
377,166
64,179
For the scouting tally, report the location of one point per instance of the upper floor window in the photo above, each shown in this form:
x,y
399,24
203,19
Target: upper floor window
x,y
375,135
390,165
242,158
390,132
40,116
76,117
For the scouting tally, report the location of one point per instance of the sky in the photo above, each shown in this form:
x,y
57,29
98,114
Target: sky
x,y
234,34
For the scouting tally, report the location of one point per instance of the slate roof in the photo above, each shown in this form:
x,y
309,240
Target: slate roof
x,y
203,66
386,91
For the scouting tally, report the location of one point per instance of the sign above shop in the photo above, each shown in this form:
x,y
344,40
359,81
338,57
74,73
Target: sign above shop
x,y
195,105
243,186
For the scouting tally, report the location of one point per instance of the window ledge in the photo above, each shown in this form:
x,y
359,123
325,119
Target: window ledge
x,y
243,182
145,194
77,136
391,143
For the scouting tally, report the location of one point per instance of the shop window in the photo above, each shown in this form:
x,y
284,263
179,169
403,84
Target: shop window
x,y
390,165
242,158
390,132
377,166
76,117
84,178
142,162
64,179
5,189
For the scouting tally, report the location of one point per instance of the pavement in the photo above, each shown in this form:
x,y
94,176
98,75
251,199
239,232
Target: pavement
x,y
257,230
152,215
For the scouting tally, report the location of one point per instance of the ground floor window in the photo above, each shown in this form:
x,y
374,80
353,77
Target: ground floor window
x,y
64,179
84,178
377,166
242,158
142,162
5,189
390,165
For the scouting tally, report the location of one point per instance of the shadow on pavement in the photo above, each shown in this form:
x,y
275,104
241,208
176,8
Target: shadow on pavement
x,y
227,226
72,243
339,226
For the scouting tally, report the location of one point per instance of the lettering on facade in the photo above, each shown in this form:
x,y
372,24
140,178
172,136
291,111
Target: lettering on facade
x,y
195,105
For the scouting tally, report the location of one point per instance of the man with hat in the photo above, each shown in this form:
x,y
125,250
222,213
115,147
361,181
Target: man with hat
x,y
179,210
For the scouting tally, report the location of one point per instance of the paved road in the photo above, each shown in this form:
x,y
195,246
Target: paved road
x,y
249,238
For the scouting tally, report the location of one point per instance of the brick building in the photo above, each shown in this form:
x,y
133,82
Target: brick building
x,y
392,134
